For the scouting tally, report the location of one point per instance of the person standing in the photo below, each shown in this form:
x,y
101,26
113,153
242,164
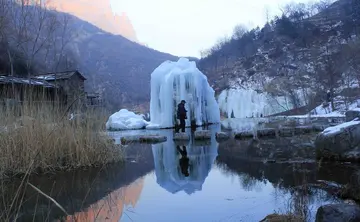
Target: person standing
x,y
181,115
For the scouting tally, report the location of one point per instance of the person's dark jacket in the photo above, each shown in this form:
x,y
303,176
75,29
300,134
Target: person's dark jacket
x,y
181,111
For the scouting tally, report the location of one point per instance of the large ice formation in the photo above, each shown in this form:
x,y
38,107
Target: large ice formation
x,y
172,82
242,103
125,120
168,170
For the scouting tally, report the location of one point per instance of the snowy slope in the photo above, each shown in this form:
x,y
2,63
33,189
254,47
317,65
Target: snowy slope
x,y
286,64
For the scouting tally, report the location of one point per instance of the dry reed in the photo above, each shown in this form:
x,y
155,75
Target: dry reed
x,y
37,136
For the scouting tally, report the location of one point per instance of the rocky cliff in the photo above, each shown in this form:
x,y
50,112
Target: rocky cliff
x,y
98,13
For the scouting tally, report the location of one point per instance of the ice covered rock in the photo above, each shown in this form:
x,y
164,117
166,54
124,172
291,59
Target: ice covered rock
x,y
172,82
125,120
339,142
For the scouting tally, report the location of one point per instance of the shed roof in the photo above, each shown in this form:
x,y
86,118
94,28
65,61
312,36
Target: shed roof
x,y
25,81
59,75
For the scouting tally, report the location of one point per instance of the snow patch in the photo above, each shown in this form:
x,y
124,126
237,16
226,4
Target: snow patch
x,y
172,82
336,129
125,120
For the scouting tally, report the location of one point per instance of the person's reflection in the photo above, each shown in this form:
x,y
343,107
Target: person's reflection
x,y
184,161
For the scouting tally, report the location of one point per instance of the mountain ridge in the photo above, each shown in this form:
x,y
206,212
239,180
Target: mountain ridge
x,y
98,13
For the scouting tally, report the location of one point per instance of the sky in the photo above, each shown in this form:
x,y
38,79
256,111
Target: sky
x,y
184,28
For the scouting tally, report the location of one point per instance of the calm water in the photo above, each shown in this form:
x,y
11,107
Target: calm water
x,y
189,182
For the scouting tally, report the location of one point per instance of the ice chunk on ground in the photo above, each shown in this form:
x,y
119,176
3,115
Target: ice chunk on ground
x,y
172,82
125,120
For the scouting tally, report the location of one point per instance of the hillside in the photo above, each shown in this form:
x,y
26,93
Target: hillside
x,y
118,67
53,41
289,63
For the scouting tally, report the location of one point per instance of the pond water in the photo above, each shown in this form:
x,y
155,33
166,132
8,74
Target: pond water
x,y
194,181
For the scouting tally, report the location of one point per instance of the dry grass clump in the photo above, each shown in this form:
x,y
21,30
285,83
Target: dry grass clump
x,y
39,137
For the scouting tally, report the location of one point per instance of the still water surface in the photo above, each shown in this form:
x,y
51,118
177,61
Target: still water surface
x,y
211,187
194,181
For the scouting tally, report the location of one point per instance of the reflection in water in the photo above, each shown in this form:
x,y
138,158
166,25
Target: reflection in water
x,y
240,186
111,207
184,161
179,167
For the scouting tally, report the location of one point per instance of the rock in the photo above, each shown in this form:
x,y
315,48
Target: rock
x,y
152,139
244,135
338,213
267,132
286,131
202,135
222,136
303,129
339,143
281,218
143,139
350,115
352,156
181,136
318,128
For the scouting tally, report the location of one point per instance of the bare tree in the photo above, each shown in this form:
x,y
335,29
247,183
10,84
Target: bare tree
x,y
267,13
239,31
30,32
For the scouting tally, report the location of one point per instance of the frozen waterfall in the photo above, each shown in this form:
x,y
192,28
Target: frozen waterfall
x,y
242,103
172,82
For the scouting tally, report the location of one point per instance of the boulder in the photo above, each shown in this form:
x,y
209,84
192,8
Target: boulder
x,y
202,135
181,137
244,135
338,213
222,136
267,132
340,142
350,115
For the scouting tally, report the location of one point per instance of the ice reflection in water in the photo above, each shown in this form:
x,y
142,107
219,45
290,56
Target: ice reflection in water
x,y
183,166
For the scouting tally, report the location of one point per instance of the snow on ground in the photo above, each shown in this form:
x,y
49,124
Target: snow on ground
x,y
172,82
326,111
336,129
125,120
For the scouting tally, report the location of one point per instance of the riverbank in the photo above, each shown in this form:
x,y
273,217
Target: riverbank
x,y
46,138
